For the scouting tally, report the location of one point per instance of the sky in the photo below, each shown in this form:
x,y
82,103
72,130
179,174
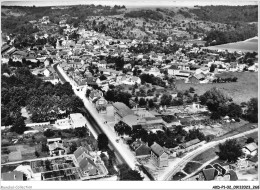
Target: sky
x,y
133,3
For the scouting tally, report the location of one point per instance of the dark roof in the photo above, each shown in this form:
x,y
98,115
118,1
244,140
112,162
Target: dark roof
x,y
190,143
210,174
253,159
12,176
233,175
157,149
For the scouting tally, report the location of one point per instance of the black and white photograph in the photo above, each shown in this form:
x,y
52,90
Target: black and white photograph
x,y
100,91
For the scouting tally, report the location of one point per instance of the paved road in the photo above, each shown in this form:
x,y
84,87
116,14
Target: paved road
x,y
97,124
181,163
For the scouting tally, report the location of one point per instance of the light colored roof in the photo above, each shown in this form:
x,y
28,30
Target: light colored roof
x,y
12,176
122,109
157,149
80,151
251,146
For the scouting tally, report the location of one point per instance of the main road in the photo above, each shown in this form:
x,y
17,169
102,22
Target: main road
x,y
189,156
97,125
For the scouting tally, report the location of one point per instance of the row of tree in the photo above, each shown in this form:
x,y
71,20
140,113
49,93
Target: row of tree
x,y
224,80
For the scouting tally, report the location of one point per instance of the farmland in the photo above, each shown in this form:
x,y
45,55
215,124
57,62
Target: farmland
x,y
249,45
241,91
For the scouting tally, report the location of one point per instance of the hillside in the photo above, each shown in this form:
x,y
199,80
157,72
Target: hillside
x,y
227,14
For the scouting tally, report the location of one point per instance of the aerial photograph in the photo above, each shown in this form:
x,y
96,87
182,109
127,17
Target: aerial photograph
x,y
129,90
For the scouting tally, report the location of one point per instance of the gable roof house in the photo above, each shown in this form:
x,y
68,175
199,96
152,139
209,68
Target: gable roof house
x,y
190,144
158,155
121,110
86,162
140,148
250,149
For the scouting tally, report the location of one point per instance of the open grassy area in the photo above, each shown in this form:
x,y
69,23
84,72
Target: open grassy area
x,y
241,91
246,127
191,167
206,155
178,176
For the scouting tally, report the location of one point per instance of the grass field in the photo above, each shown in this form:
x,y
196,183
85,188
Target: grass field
x,y
249,45
178,176
207,155
191,167
241,91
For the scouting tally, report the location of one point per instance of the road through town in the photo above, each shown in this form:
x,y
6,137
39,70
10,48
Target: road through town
x,y
97,123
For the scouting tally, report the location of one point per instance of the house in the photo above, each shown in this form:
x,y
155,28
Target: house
x,y
173,70
77,120
190,145
12,176
56,147
208,174
101,104
154,71
95,94
140,148
159,156
86,162
92,81
121,110
250,149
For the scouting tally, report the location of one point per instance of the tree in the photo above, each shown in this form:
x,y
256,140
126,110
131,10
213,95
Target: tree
x,y
230,150
88,92
122,128
45,148
166,99
214,98
73,147
250,140
103,77
127,174
37,154
235,110
102,141
151,103
142,102
192,90
212,68
252,110
19,125
49,133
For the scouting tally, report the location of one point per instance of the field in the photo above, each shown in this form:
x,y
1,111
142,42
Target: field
x,y
241,91
249,45
191,167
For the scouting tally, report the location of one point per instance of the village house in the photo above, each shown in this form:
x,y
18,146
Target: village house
x,y
140,148
77,120
190,145
250,149
159,156
120,111
56,147
86,162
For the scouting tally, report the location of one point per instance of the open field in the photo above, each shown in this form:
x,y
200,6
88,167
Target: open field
x,y
207,155
241,91
191,167
178,176
249,45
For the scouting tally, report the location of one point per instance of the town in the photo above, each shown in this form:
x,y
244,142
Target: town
x,y
126,95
